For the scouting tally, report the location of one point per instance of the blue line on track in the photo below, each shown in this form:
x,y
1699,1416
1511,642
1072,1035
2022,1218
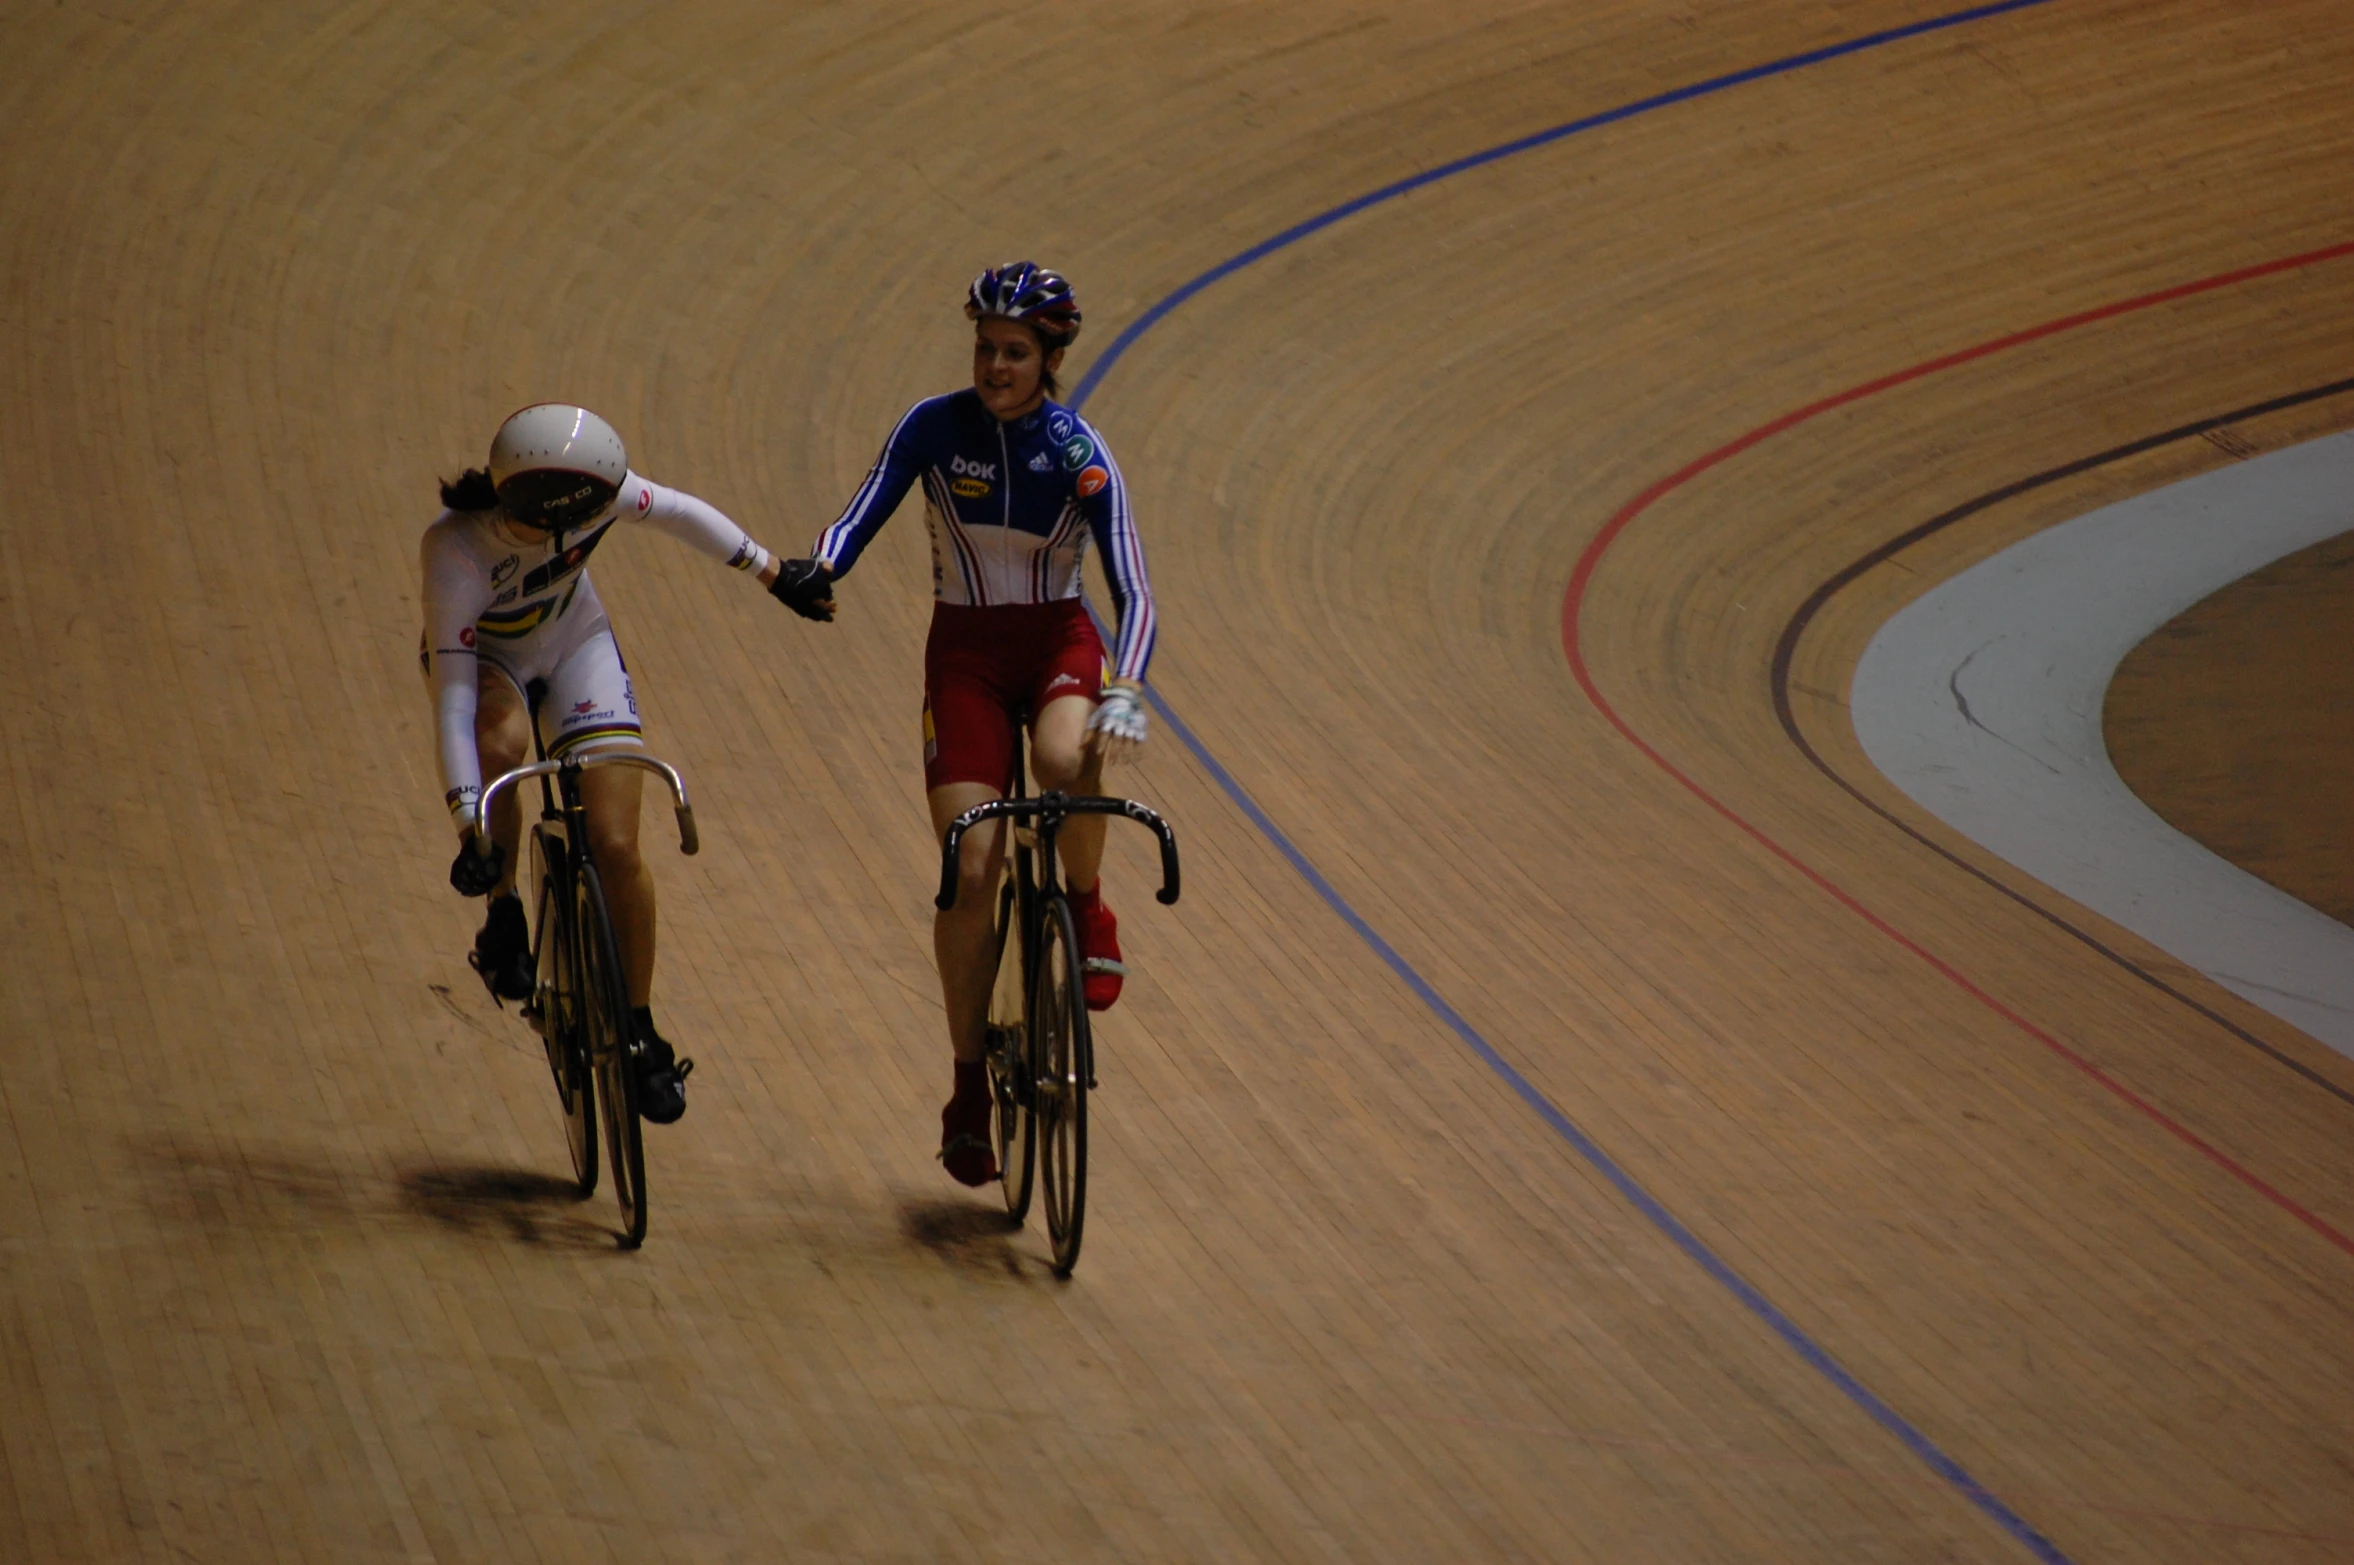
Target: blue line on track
x,y
1625,111
1643,1201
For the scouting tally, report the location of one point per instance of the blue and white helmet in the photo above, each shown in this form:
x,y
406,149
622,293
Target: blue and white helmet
x,y
1027,292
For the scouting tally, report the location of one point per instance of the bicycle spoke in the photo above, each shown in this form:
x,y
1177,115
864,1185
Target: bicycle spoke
x,y
1013,1124
1061,1053
605,1004
556,1003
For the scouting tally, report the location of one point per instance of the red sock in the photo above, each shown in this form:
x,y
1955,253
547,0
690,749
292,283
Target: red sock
x,y
1085,901
972,1079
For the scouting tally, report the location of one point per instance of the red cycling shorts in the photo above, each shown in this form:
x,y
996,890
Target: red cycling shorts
x,y
983,665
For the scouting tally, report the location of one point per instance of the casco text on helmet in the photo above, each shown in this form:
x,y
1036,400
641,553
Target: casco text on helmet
x,y
1027,292
556,465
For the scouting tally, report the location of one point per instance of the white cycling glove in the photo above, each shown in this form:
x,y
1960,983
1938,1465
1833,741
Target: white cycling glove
x,y
1119,715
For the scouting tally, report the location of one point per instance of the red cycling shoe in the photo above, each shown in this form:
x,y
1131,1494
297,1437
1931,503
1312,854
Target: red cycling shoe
x,y
964,1129
1099,948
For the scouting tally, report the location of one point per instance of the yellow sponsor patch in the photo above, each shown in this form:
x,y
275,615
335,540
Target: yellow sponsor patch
x,y
970,488
522,621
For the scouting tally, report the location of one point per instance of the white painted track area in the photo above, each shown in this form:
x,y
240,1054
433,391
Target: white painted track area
x,y
1982,700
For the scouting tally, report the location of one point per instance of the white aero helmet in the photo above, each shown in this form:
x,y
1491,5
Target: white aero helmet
x,y
556,465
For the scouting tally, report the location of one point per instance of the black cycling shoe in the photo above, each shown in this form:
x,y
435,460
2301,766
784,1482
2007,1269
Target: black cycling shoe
x,y
502,950
662,1077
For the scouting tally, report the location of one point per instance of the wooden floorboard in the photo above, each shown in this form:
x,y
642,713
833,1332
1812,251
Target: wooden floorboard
x,y
2224,723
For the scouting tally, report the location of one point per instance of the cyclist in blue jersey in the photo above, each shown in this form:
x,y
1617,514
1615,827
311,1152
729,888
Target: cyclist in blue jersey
x,y
1016,485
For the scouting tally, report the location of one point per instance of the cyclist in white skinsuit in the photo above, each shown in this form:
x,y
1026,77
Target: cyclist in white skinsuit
x,y
509,604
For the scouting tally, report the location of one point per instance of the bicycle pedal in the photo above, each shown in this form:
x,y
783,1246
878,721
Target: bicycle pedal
x,y
474,960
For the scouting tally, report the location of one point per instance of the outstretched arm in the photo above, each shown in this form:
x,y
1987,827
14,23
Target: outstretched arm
x,y
698,524
887,483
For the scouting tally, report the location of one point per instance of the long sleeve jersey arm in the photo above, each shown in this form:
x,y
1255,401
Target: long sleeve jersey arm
x,y
887,483
698,524
1114,527
457,591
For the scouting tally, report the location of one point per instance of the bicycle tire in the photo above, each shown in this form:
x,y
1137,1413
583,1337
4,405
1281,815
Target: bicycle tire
x,y
1011,1076
556,1003
605,1007
1062,1049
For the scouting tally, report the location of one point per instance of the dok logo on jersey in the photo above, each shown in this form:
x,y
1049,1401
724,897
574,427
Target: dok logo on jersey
x,y
972,479
1092,480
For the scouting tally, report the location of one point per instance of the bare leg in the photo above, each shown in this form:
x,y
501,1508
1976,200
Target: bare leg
x,y
610,794
964,938
1061,758
502,737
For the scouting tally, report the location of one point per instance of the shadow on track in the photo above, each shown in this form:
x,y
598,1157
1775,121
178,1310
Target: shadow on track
x,y
516,1204
972,1239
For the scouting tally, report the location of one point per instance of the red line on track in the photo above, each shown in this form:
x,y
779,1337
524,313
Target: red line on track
x,y
1582,578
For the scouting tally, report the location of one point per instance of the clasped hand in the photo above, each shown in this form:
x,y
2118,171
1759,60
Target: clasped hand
x,y
806,587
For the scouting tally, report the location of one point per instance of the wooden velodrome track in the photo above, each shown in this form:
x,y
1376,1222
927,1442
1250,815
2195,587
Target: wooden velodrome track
x,y
2205,732
1972,1244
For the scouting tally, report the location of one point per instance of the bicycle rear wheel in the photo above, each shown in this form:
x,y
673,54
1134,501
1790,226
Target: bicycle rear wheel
x,y
613,1049
1011,1077
1063,1054
556,1005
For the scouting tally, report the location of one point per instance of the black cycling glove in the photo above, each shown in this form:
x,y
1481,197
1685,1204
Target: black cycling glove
x,y
805,587
475,874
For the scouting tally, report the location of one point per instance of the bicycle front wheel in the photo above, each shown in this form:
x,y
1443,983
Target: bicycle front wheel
x,y
612,1050
1062,1051
556,1005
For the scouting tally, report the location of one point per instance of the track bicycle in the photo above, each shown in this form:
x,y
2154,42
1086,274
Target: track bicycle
x,y
1039,1045
580,1002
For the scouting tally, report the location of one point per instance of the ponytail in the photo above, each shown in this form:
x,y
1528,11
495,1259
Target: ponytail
x,y
472,491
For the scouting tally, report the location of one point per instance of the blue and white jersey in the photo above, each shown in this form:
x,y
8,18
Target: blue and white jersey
x,y
1011,506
